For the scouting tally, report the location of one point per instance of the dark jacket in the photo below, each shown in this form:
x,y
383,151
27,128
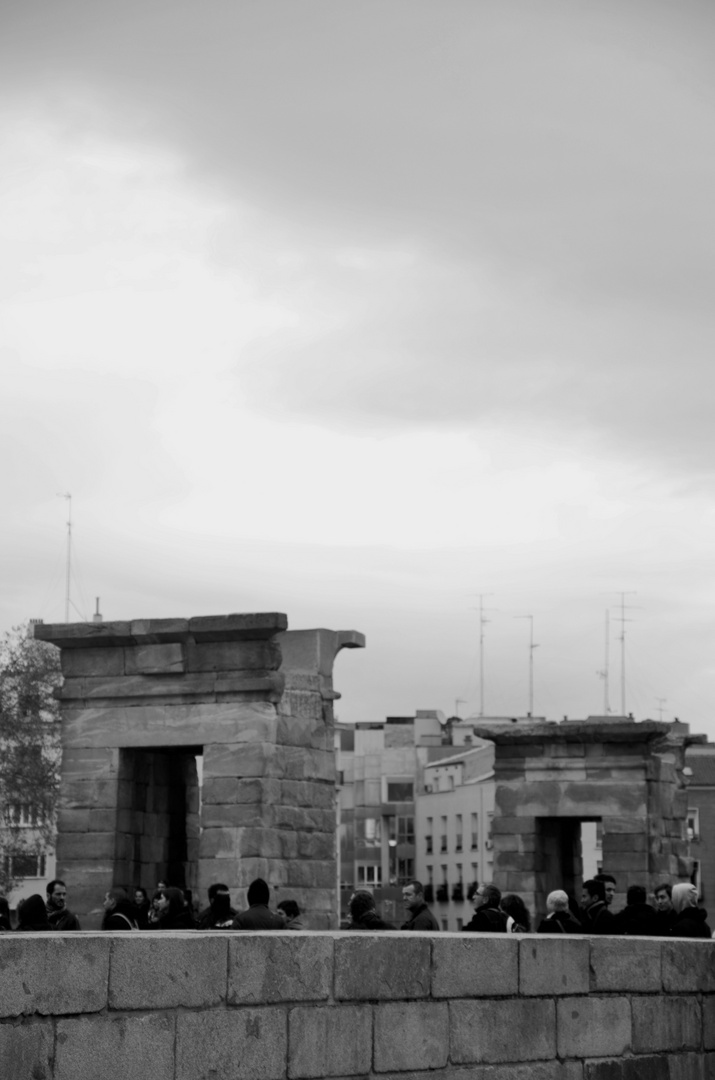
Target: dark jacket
x,y
664,922
370,920
218,915
140,914
421,919
178,914
486,920
560,922
62,919
598,919
32,915
258,917
121,917
638,920
691,922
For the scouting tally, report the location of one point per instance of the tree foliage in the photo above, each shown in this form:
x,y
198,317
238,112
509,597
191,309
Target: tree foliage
x,y
29,750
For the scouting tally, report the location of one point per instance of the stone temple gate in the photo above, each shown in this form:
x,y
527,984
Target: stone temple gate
x,y
551,778
198,750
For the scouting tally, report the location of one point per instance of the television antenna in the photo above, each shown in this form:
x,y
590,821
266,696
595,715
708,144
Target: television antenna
x,y
532,646
68,497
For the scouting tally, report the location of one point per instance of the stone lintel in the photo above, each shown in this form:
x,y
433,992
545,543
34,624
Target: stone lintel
x,y
583,731
204,628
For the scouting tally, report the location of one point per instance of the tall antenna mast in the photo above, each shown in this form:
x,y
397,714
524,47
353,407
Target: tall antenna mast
x,y
66,495
623,621
532,646
605,672
482,624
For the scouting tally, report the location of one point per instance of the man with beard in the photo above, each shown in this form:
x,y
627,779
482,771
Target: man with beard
x,y
59,915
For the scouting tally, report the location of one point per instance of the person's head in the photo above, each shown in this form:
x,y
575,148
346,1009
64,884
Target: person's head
x,y
32,914
413,895
662,897
360,903
594,890
557,901
170,901
487,896
112,898
636,895
288,909
685,895
609,884
218,889
161,885
57,894
258,892
512,904
141,897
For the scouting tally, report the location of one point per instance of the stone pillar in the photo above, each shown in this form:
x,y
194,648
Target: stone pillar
x,y
141,701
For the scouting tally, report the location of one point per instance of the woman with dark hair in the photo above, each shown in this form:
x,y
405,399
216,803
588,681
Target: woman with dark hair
x,y
363,913
32,915
118,911
5,923
141,907
174,912
518,920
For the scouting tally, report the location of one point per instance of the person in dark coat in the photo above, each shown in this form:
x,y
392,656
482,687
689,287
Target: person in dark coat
x,y
258,916
637,918
5,923
597,919
518,919
488,917
290,912
419,915
559,919
690,919
60,916
118,911
32,915
363,913
141,907
665,913
174,912
219,914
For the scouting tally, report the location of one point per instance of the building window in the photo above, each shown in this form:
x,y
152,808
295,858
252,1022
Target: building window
x,y
458,838
24,814
443,837
459,924
445,924
475,832
405,830
400,790
693,825
372,831
369,874
405,870
24,864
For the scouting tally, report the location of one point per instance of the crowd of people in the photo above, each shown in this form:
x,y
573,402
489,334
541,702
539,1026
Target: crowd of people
x,y
674,913
169,908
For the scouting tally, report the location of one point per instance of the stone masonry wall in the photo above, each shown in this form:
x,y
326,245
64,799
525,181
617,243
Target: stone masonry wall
x,y
325,1005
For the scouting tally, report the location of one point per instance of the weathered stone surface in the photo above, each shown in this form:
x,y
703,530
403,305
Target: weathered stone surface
x,y
389,966
235,1044
330,1042
51,974
625,963
162,971
474,965
155,660
96,662
411,1035
666,1023
486,1030
26,1051
553,967
632,1068
115,1048
688,966
274,967
593,1027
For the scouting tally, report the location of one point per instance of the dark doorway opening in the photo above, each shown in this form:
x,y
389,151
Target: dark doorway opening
x,y
560,861
158,818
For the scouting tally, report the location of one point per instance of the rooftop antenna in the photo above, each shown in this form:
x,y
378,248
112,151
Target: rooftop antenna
x,y
66,495
482,624
623,620
604,674
532,646
661,702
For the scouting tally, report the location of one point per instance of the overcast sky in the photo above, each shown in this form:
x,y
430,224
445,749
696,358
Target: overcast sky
x,y
356,310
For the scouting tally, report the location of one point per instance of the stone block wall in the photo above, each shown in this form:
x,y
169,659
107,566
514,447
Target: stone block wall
x,y
325,1005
